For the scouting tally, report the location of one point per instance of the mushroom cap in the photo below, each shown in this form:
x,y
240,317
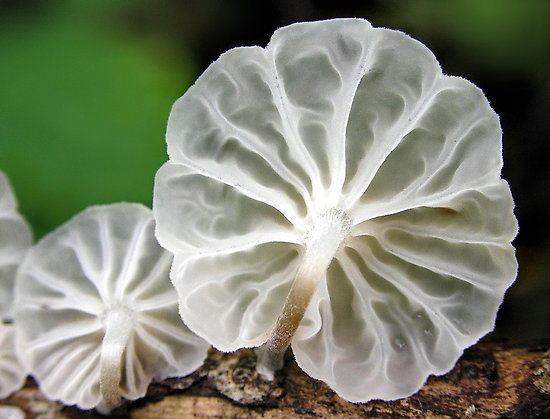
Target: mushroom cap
x,y
338,117
102,265
15,239
12,373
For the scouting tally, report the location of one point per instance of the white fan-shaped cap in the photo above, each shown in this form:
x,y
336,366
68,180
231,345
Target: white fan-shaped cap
x,y
12,373
15,239
341,154
96,313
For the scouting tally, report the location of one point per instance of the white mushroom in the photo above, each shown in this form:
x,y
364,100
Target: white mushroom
x,y
335,191
12,374
15,240
96,313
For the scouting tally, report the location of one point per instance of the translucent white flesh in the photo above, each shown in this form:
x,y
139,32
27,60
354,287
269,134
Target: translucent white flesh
x,y
118,326
96,313
12,373
337,114
15,240
322,242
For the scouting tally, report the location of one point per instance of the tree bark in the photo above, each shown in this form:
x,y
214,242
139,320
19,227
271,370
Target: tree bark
x,y
493,379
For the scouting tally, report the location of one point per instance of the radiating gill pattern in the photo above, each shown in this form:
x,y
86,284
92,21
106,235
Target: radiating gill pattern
x,y
12,373
103,261
339,115
209,216
241,292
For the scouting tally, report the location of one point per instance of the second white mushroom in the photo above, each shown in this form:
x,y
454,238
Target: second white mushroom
x,y
96,313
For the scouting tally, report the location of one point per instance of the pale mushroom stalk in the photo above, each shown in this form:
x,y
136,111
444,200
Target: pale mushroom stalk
x,y
322,241
118,326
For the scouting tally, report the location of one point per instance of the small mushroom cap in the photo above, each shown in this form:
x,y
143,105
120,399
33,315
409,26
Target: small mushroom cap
x,y
76,284
15,240
338,117
12,373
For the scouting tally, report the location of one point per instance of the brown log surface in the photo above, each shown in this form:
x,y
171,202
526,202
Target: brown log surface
x,y
493,379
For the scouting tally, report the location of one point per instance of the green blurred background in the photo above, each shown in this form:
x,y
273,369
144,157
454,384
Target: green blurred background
x,y
86,87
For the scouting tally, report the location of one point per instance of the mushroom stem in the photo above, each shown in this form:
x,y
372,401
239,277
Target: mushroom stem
x,y
118,325
322,242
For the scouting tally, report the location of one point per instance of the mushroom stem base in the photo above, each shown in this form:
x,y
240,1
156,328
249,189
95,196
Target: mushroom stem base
x,y
322,242
118,325
271,354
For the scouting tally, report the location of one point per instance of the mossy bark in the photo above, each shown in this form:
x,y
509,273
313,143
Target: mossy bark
x,y
492,379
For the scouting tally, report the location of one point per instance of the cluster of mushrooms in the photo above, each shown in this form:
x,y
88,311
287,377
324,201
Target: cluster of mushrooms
x,y
333,192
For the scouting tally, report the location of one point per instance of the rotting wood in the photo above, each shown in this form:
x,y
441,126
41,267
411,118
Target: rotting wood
x,y
492,379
